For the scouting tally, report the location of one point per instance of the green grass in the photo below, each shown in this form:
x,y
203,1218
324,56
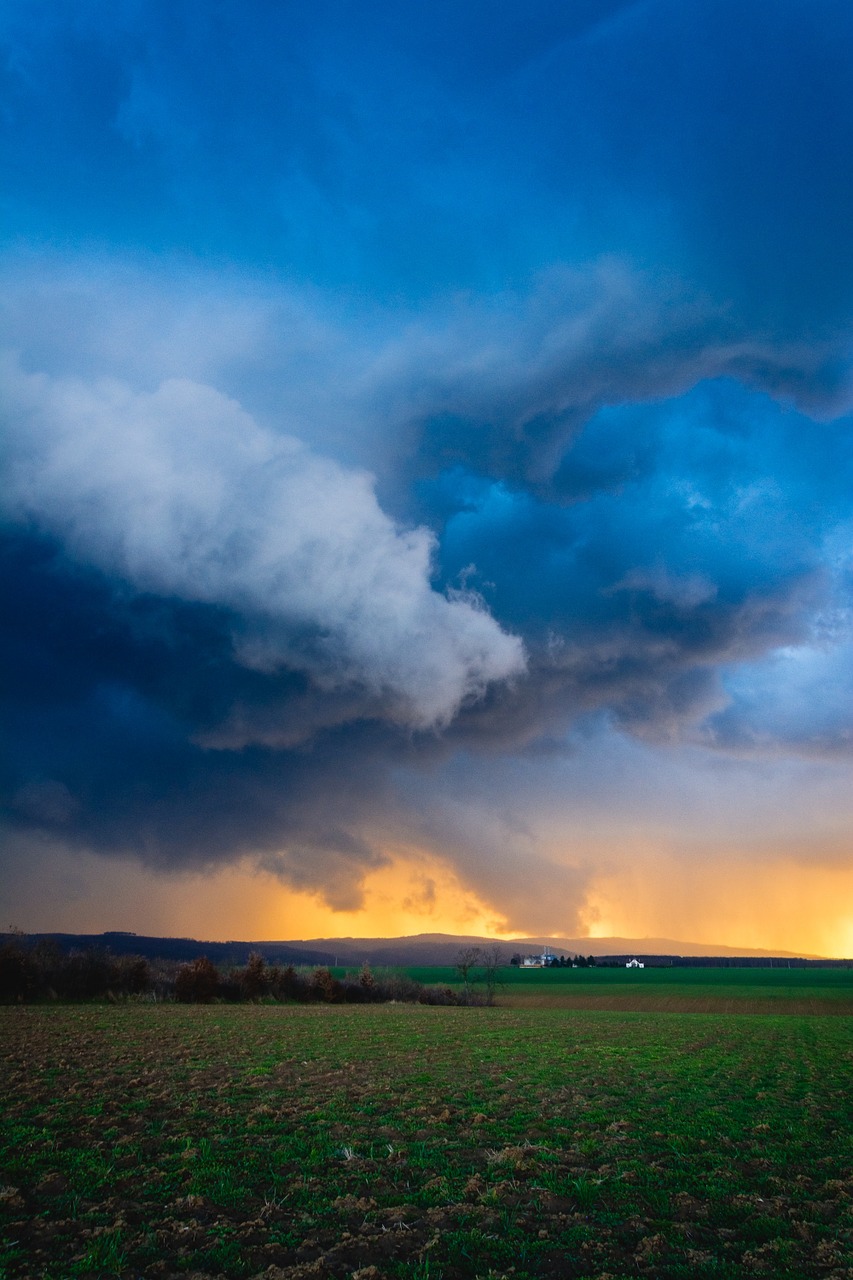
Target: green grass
x,y
732,981
827,990
438,1143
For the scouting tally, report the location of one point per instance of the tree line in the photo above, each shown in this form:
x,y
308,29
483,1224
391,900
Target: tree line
x,y
43,972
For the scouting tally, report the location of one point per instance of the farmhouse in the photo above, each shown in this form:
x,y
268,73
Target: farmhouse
x,y
538,962
634,964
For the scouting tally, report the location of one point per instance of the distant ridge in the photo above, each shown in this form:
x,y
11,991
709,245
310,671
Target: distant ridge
x,y
416,949
442,948
184,949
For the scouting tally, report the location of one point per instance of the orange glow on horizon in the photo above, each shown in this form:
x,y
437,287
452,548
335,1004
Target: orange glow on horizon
x,y
408,896
774,903
778,905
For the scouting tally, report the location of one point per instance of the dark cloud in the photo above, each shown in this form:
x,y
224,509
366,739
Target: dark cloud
x,y
522,386
682,510
111,693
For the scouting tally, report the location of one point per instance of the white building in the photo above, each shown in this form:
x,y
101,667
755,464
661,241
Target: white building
x,y
634,964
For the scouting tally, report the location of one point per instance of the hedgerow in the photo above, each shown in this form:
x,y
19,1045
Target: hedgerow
x,y
44,972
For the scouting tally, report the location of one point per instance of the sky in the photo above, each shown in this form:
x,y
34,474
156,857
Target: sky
x,y
427,468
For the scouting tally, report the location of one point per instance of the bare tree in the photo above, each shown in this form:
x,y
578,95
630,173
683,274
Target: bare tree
x,y
467,959
492,959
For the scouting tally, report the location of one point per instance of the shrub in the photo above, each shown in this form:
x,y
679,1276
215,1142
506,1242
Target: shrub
x,y
18,977
367,982
132,975
286,984
399,986
254,979
324,986
438,995
84,974
197,982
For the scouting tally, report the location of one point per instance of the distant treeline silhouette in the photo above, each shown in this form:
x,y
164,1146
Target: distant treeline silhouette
x,y
45,972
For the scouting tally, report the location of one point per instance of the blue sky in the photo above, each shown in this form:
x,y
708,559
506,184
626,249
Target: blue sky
x,y
402,405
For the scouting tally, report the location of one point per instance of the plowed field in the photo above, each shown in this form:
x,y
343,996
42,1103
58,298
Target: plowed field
x,y
441,1143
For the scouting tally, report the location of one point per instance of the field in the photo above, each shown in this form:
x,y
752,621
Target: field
x,y
435,1143
689,990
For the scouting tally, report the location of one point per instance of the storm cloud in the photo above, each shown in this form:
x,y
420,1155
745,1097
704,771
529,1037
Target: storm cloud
x,y
385,403
178,492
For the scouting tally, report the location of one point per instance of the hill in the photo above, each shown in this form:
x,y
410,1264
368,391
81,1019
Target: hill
x,y
418,949
442,948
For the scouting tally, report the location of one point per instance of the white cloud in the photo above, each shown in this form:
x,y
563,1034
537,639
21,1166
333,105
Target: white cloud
x,y
180,491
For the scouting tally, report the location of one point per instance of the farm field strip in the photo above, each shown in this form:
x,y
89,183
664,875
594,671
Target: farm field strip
x,y
676,990
675,1003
